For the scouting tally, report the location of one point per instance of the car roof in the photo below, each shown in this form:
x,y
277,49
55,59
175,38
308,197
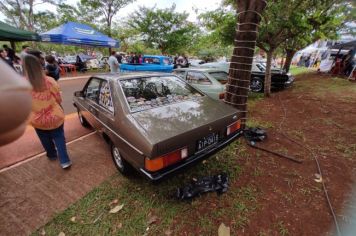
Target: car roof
x,y
129,75
155,56
210,69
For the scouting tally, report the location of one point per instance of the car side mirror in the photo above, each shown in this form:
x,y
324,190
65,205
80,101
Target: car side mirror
x,y
79,94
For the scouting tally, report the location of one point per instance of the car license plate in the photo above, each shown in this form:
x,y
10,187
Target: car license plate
x,y
207,141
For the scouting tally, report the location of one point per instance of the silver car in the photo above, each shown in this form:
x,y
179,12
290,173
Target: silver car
x,y
208,80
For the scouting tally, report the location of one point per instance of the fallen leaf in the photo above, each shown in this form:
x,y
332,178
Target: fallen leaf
x,y
42,232
61,234
73,219
319,178
168,232
116,209
152,219
223,230
115,201
204,161
119,226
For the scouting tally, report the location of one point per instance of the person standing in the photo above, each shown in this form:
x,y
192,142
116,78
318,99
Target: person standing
x,y
52,68
24,51
5,58
119,58
47,115
10,53
113,63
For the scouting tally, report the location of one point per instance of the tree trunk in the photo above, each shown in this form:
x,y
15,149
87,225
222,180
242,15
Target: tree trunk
x,y
267,82
241,61
290,55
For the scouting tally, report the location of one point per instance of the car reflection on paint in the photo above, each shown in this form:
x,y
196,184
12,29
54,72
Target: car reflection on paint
x,y
155,123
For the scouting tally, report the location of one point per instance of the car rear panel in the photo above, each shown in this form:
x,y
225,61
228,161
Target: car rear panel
x,y
183,124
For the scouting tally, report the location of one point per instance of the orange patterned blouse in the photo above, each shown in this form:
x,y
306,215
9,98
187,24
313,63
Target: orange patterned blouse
x,y
47,112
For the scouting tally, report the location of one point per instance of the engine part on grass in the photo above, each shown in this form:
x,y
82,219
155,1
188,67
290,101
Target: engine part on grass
x,y
255,134
253,144
217,183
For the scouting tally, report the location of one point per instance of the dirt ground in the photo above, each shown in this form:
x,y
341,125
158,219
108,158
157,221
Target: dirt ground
x,y
319,112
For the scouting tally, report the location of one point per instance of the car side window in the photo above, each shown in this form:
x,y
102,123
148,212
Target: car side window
x,y
105,98
179,73
197,78
92,90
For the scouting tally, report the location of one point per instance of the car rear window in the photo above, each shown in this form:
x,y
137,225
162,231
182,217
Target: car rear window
x,y
220,76
150,92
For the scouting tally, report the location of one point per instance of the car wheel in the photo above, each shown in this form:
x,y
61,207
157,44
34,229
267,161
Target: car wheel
x,y
256,85
82,120
121,164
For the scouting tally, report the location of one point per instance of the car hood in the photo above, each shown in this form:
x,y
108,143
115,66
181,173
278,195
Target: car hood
x,y
166,122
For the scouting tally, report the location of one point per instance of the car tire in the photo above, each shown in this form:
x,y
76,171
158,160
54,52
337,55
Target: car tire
x,y
82,120
256,85
121,164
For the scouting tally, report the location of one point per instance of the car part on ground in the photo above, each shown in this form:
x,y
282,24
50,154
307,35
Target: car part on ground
x,y
253,135
218,183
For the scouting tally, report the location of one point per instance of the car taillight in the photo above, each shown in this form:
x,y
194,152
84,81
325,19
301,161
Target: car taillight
x,y
166,160
221,95
233,127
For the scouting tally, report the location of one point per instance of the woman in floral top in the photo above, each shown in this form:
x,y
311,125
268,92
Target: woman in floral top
x,y
47,115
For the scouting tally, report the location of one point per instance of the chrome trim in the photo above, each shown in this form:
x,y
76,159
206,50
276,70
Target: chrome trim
x,y
137,150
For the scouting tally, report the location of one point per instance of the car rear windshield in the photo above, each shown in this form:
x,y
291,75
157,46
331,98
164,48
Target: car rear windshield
x,y
220,76
150,92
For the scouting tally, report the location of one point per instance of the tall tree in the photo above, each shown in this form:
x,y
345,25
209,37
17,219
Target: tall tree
x,y
164,29
284,20
107,9
322,22
22,13
249,16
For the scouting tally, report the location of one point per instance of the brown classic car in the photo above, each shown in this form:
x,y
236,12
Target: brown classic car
x,y
155,123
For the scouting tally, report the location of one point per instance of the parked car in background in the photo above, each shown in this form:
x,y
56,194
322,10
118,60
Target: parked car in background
x,y
196,62
279,79
150,63
92,64
209,80
69,60
155,123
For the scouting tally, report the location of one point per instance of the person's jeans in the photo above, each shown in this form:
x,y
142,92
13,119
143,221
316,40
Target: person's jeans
x,y
52,140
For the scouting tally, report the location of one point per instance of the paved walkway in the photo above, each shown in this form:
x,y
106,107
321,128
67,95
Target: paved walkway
x,y
33,192
29,145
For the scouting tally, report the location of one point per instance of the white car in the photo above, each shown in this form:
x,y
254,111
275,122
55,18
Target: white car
x,y
93,64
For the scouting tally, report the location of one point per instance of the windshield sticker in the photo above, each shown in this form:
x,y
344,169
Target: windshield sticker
x,y
105,97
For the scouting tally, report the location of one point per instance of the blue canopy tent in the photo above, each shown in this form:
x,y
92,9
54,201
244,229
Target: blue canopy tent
x,y
73,33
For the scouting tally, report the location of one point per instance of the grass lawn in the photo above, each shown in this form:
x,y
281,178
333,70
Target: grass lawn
x,y
294,70
153,208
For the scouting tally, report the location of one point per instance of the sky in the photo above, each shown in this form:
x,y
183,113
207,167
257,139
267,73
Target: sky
x,y
181,5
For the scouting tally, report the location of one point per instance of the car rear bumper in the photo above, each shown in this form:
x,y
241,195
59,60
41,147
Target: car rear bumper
x,y
154,176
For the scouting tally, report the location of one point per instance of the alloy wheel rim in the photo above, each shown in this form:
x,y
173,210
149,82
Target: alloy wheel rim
x,y
256,85
117,157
